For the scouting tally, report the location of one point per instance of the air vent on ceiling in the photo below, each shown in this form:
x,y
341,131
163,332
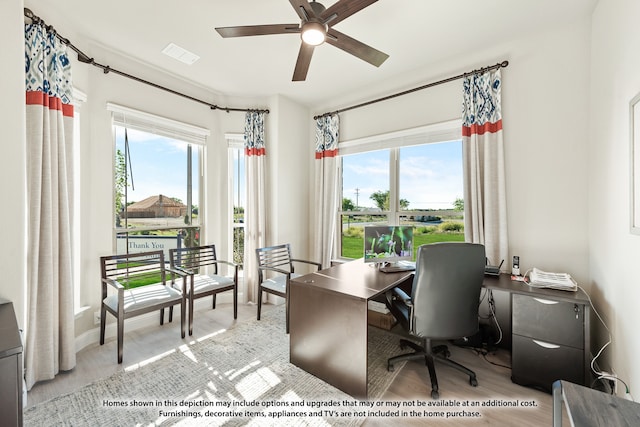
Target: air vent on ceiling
x,y
181,54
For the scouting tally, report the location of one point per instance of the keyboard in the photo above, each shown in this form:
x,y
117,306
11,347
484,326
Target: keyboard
x,y
399,267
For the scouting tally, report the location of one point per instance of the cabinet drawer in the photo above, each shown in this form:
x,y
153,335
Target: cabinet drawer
x,y
536,363
548,320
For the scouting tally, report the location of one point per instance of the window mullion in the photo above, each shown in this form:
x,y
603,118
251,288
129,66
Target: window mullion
x,y
394,189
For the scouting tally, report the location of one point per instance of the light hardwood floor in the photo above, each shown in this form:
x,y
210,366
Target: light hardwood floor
x,y
411,385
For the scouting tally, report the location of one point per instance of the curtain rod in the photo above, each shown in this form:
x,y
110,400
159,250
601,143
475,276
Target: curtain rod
x,y
82,57
428,85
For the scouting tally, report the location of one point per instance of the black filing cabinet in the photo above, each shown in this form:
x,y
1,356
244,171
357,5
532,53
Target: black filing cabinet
x,y
10,367
550,338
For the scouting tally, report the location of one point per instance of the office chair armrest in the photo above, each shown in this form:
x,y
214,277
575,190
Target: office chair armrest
x,y
277,270
317,264
112,282
184,274
402,296
221,261
179,271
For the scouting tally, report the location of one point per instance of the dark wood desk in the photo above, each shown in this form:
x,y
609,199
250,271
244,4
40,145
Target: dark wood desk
x,y
328,329
591,408
328,322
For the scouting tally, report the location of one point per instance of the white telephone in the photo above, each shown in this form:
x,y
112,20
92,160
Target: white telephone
x,y
544,279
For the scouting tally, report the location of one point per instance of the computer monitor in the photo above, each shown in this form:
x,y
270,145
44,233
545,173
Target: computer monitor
x,y
388,243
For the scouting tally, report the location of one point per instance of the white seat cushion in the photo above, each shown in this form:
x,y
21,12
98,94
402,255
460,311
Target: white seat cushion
x,y
144,296
206,282
279,282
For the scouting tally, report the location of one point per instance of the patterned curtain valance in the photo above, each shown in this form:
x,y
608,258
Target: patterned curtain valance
x,y
327,130
47,70
254,134
481,110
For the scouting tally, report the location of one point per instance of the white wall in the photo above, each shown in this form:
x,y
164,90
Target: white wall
x,y
615,79
288,175
544,103
12,173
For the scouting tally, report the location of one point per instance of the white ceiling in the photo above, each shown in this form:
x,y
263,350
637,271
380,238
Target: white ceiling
x,y
414,33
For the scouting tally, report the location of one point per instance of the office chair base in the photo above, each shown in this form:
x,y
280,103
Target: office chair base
x,y
430,354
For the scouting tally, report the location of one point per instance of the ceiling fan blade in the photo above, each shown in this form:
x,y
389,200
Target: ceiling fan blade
x,y
258,30
303,9
356,48
343,9
302,64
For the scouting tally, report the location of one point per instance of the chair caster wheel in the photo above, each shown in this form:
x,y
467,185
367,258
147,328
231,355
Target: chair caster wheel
x,y
473,381
435,395
390,367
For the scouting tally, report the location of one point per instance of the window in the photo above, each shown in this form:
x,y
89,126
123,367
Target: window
x,y
157,183
237,191
412,177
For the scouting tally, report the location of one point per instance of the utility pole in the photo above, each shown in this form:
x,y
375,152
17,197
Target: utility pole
x,y
357,194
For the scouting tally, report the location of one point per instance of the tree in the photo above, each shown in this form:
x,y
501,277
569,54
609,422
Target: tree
x,y
381,199
347,205
120,184
458,204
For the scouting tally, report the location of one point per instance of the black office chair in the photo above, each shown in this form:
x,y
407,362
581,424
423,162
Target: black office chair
x,y
443,304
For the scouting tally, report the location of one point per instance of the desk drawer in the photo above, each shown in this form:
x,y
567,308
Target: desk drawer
x,y
548,320
537,363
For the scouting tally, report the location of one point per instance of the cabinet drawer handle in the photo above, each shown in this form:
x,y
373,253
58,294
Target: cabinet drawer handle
x,y
546,344
545,301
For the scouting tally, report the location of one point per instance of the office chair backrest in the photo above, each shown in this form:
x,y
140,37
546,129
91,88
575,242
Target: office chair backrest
x,y
134,269
192,258
278,257
446,290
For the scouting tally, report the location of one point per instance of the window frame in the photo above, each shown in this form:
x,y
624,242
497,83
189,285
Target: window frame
x,y
235,141
447,131
192,136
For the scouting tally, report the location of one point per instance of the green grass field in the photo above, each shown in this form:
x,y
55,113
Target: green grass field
x,y
353,247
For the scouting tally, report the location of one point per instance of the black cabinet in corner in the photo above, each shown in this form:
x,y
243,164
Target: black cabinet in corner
x,y
10,367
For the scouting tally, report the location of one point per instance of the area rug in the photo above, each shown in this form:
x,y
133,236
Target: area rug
x,y
241,376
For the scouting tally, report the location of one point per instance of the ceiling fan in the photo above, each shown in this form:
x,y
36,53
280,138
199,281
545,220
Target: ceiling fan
x,y
315,28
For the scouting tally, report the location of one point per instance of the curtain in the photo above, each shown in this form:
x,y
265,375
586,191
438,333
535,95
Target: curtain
x,y
483,155
255,215
50,335
326,187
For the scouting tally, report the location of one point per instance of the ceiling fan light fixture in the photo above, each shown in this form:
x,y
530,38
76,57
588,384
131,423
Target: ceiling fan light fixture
x,y
313,33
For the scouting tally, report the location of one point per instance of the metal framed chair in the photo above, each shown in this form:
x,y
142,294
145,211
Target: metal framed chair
x,y
277,260
202,265
141,286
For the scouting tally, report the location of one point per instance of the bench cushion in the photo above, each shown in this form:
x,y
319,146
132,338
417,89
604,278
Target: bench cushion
x,y
144,296
278,283
207,282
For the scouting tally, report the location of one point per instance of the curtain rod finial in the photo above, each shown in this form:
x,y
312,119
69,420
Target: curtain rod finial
x,y
504,64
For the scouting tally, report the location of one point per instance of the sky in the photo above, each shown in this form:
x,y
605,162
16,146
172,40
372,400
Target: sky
x,y
159,166
430,175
